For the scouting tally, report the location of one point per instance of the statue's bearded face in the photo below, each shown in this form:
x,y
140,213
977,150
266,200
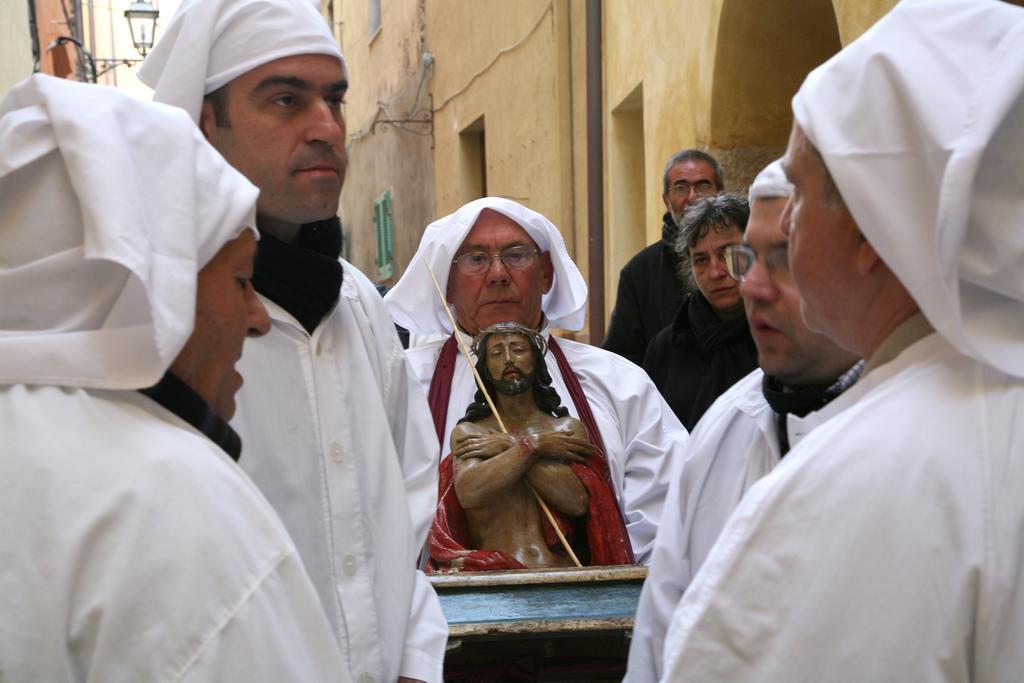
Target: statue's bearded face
x,y
510,363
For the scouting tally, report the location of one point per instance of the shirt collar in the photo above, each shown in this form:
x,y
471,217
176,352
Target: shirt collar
x,y
182,400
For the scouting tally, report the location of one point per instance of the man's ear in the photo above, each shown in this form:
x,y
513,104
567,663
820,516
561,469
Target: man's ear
x,y
547,271
664,198
207,118
866,258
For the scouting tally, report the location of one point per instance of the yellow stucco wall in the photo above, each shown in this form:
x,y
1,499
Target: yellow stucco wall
x,y
15,44
764,52
509,64
378,63
856,16
658,59
388,80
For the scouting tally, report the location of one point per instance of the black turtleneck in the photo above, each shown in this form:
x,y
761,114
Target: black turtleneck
x,y
785,400
304,277
669,231
698,357
183,401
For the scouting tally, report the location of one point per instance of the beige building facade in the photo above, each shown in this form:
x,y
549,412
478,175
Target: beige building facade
x,y
106,33
15,44
388,197
507,88
716,75
100,27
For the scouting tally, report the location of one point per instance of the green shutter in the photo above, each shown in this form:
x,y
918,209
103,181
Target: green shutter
x,y
383,226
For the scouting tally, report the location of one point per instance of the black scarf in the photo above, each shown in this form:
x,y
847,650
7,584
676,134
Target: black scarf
x,y
183,401
799,401
709,331
669,230
303,278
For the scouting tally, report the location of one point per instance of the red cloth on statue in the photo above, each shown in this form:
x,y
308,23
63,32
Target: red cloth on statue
x,y
448,537
604,540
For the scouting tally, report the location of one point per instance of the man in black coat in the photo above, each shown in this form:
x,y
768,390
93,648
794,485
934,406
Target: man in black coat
x,y
650,287
708,346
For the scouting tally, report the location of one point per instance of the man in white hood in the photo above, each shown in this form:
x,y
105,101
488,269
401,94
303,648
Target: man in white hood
x,y
339,434
887,546
497,260
751,427
134,548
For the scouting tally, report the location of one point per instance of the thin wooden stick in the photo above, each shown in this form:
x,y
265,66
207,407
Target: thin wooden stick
x,y
465,350
494,410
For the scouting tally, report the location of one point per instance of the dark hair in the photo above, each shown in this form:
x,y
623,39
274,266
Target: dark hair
x,y
693,155
719,213
218,99
544,394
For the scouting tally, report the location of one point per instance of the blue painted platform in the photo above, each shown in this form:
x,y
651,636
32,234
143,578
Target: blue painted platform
x,y
540,602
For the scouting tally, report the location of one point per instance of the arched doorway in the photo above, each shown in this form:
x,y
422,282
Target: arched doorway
x,y
765,49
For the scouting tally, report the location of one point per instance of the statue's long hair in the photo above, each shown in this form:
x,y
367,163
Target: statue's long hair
x,y
544,394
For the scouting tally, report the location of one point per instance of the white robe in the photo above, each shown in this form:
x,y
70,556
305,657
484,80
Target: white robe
x,y
887,546
134,549
734,445
339,439
644,439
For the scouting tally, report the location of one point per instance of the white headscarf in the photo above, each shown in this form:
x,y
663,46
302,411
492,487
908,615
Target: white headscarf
x,y
414,304
921,124
771,183
212,42
111,205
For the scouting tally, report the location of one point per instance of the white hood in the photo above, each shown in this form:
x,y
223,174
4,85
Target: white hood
x,y
414,304
921,125
209,43
111,206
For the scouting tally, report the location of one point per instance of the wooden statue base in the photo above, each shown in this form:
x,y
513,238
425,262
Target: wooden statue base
x,y
539,625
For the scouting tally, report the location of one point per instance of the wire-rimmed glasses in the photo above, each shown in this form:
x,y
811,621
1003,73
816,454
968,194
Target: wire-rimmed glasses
x,y
740,258
513,258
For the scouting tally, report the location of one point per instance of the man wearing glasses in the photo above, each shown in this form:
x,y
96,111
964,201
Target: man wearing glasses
x,y
651,289
889,546
497,261
750,427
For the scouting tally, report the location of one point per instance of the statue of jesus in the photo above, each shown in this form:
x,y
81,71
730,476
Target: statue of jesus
x,y
492,472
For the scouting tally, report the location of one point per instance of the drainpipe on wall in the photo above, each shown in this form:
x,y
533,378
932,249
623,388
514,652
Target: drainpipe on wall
x,y
79,29
33,27
595,174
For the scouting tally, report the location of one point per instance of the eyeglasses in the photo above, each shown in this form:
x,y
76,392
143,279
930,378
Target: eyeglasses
x,y
740,258
701,188
513,258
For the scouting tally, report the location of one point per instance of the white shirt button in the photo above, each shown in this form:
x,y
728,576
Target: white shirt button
x,y
336,453
348,565
367,678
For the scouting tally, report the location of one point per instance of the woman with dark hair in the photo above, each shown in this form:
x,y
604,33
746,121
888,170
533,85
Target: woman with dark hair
x,y
708,347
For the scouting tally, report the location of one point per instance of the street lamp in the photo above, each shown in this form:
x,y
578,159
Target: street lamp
x,y
141,18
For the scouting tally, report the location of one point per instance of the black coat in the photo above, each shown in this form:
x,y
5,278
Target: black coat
x,y
650,293
698,357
